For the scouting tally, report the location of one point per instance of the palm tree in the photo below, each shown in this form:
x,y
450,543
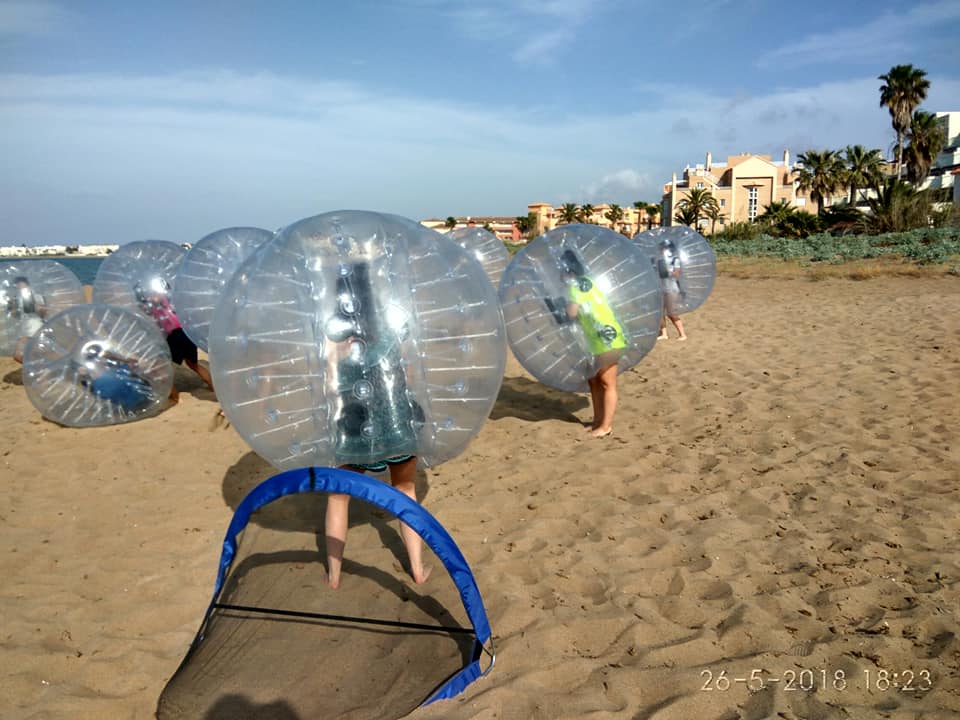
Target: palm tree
x,y
926,140
863,168
776,212
615,216
586,213
569,213
821,173
642,209
904,88
712,211
450,223
524,224
898,207
686,215
653,209
783,220
697,200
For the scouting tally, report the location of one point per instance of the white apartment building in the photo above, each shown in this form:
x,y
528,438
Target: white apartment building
x,y
945,169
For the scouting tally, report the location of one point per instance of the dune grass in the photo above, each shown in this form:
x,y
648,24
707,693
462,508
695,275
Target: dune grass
x,y
863,269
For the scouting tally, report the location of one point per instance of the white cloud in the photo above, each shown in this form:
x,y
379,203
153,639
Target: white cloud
x,y
541,48
535,29
623,187
116,158
891,32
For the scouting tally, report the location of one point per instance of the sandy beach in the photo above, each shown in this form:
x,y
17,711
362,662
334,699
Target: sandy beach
x,y
772,530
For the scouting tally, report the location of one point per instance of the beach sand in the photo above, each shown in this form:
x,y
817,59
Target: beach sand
x,y
779,504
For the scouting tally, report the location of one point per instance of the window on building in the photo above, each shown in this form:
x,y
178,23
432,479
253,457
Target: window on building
x,y
752,197
723,202
699,185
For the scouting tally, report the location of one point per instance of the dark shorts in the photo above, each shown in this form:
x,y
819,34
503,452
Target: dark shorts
x,y
381,465
181,347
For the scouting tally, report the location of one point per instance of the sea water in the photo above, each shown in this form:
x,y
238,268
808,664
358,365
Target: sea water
x,y
85,268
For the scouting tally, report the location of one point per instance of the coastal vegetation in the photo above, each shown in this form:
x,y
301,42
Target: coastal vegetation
x,y
886,214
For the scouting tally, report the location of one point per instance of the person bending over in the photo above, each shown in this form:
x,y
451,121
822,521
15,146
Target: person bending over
x,y
183,351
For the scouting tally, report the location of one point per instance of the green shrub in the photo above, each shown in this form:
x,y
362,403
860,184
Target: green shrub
x,y
923,246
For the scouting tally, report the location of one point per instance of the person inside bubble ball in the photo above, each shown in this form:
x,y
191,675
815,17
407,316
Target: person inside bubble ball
x,y
155,301
113,378
28,308
605,340
668,268
377,415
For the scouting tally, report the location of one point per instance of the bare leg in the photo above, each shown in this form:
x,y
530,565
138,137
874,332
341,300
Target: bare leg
x,y
202,371
678,324
596,397
18,350
607,379
402,477
335,524
663,329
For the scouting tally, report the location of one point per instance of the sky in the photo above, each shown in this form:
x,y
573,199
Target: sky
x,y
124,121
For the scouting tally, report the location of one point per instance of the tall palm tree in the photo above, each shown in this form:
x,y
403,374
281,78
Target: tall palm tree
x,y
697,200
450,223
615,216
821,173
926,140
569,213
586,213
653,209
904,88
642,210
863,169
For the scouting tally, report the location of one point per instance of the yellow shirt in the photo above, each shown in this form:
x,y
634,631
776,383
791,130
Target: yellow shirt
x,y
596,317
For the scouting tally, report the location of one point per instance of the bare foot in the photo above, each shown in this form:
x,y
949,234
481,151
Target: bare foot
x,y
601,432
663,337
174,396
219,420
682,338
421,577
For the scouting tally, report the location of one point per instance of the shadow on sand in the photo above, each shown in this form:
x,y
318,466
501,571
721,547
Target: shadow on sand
x,y
532,401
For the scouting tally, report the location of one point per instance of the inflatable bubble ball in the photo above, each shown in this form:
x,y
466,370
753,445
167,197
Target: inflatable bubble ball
x,y
140,276
576,299
97,365
30,292
354,337
486,247
685,263
205,271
